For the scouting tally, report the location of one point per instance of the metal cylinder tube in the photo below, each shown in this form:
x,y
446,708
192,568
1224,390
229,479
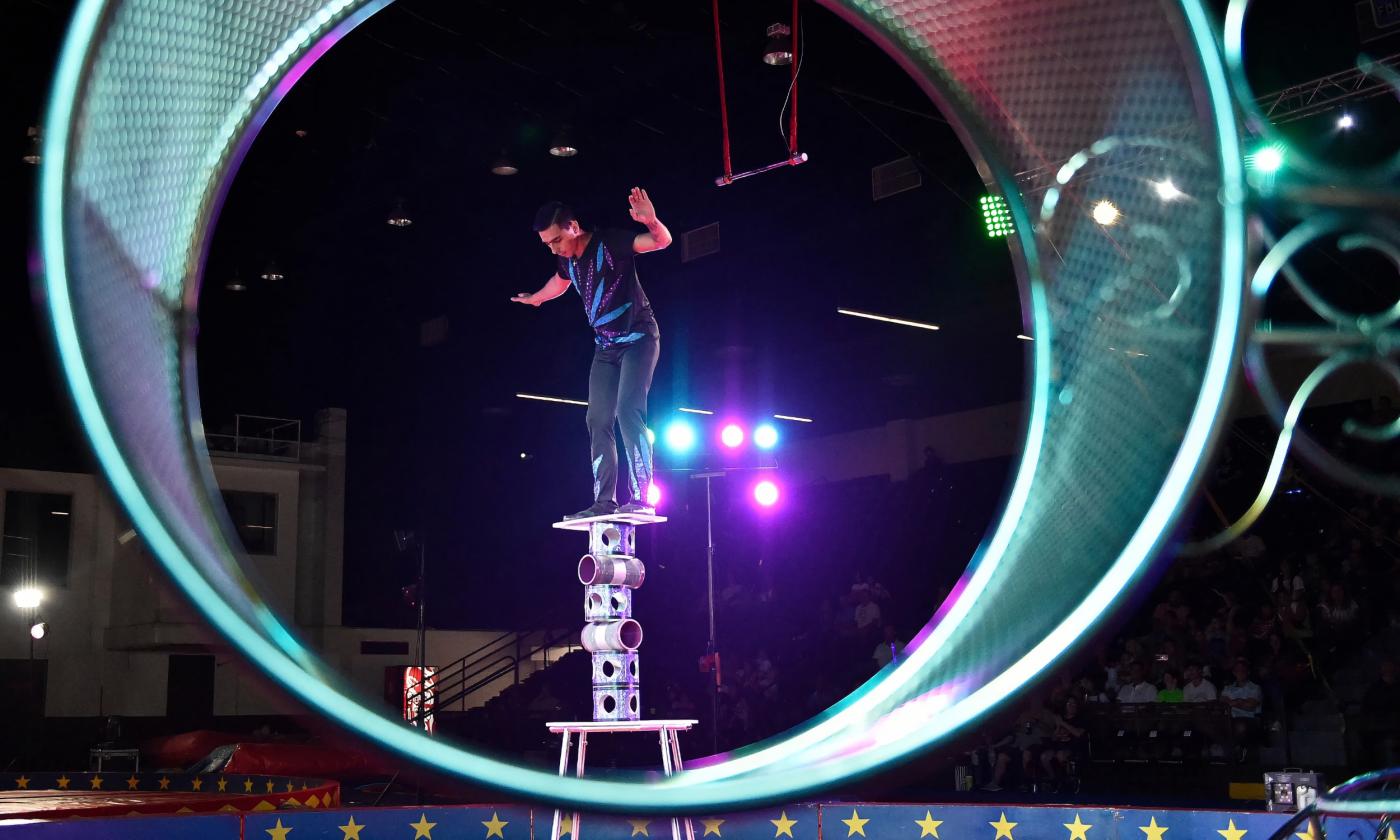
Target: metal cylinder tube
x,y
613,570
625,635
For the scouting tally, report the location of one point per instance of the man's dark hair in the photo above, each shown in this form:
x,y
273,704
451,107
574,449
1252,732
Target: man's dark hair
x,y
553,213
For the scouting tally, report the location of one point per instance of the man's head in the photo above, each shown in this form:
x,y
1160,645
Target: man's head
x,y
1241,671
559,229
1193,673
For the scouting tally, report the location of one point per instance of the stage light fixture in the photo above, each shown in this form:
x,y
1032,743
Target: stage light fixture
x,y
236,284
679,436
1267,159
1105,213
399,218
38,629
36,142
504,166
765,493
778,50
28,597
732,436
765,436
1346,121
273,272
563,144
996,216
654,494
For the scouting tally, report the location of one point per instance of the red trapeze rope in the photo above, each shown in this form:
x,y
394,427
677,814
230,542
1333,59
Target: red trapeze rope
x,y
723,107
792,124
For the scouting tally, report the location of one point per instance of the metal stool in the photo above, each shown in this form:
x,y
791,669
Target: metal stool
x,y
668,730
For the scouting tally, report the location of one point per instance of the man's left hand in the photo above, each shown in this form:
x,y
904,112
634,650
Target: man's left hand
x,y
642,209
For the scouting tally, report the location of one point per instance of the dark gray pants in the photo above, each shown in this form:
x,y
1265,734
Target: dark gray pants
x,y
617,395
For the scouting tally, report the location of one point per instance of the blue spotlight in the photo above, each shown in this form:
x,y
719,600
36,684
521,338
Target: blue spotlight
x,y
680,437
765,436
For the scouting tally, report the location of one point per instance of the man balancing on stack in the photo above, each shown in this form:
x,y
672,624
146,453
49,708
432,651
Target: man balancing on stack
x,y
601,266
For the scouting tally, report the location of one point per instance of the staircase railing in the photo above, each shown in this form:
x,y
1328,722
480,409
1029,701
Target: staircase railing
x,y
486,664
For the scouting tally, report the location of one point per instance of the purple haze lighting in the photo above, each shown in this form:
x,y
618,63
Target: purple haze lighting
x,y
765,493
732,436
654,494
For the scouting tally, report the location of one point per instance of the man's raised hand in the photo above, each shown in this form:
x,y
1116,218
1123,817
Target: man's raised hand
x,y
641,207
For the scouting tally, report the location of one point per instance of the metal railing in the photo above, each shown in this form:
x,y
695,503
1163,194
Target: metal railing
x,y
497,658
259,437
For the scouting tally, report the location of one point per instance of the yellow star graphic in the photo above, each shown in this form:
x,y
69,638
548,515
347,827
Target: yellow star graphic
x,y
566,825
1308,835
1391,836
1078,830
1153,831
165,783
928,826
290,787
639,827
783,825
855,825
96,783
1231,833
351,831
278,832
270,786
223,784
247,785
1003,827
422,828
63,782
712,827
132,782
494,826
22,783
197,784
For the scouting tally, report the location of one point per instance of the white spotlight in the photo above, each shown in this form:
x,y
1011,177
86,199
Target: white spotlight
x,y
1166,190
1106,213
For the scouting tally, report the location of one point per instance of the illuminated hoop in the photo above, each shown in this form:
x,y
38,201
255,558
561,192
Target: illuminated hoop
x,y
156,101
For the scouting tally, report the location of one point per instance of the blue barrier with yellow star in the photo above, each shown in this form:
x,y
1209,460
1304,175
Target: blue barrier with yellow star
x,y
830,821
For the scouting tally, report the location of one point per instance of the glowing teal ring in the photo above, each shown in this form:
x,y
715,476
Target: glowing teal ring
x,y
811,759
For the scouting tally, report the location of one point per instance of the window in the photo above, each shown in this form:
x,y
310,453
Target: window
x,y
36,533
255,517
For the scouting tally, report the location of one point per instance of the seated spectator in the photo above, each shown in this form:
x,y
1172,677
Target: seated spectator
x,y
888,649
1197,689
1069,745
1287,581
1137,689
1087,690
1339,614
1026,740
867,613
1171,688
1245,700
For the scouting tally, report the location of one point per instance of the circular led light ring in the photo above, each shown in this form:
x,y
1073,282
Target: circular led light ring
x,y
889,718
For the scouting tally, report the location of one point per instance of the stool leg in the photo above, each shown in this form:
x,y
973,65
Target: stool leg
x,y
677,766
582,757
666,768
564,744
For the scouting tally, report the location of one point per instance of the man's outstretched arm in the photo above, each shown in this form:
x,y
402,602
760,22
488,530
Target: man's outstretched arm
x,y
657,236
552,288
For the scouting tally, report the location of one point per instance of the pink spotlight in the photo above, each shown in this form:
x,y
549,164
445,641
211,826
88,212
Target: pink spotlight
x,y
765,493
732,436
654,494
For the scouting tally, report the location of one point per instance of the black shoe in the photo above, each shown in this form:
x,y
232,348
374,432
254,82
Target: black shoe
x,y
596,509
637,507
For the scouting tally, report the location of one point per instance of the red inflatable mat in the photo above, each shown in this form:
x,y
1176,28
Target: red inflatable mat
x,y
60,795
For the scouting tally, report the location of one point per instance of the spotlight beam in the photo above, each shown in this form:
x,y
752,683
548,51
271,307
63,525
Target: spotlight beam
x,y
543,398
887,319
